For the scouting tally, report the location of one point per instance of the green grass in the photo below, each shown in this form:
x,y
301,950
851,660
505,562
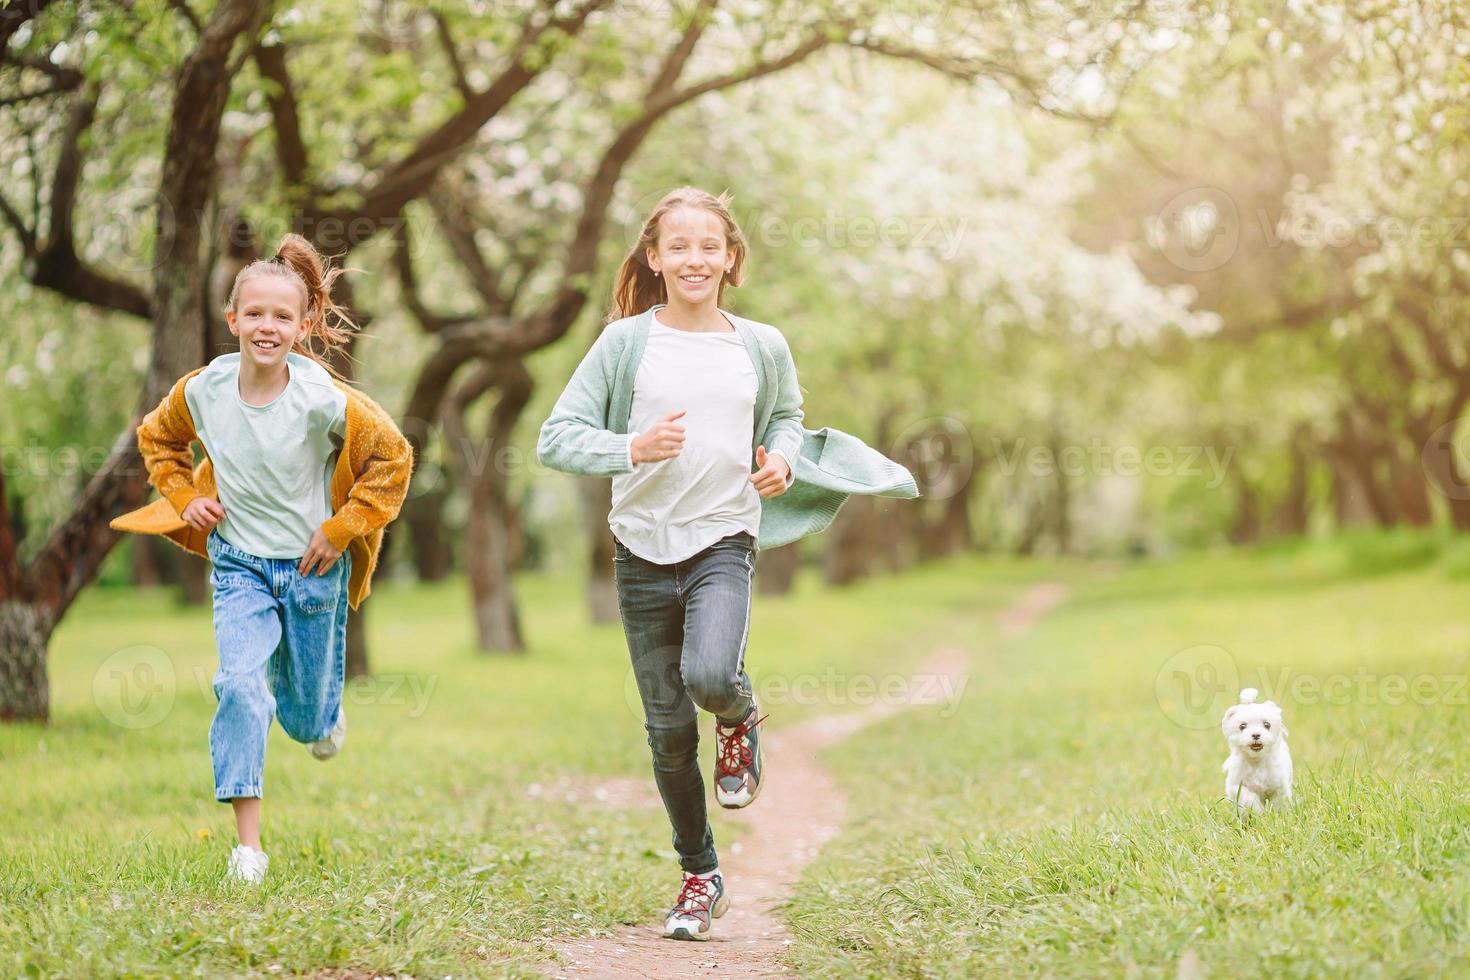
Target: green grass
x,y
419,849
1065,820
1069,820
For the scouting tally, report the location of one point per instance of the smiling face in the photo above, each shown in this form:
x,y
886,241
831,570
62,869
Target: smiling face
x,y
267,318
693,254
1253,728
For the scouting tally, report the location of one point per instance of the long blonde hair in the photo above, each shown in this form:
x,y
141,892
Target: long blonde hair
x,y
298,260
638,287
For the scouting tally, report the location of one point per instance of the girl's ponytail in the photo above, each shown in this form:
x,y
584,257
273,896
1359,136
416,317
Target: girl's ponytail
x,y
331,326
638,287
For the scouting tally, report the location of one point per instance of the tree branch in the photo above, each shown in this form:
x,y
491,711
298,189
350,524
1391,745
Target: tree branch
x,y
290,146
459,233
451,54
429,320
188,14
15,13
971,69
405,180
1419,315
27,237
55,264
556,317
66,77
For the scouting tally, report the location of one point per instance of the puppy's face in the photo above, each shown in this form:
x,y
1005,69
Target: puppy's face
x,y
1253,728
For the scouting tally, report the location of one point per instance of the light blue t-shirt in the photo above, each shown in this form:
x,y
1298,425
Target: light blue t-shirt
x,y
272,463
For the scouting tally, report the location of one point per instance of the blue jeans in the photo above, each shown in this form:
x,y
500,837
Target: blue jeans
x,y
282,639
687,626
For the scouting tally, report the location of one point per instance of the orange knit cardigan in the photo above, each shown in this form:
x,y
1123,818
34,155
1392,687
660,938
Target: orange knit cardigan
x,y
369,483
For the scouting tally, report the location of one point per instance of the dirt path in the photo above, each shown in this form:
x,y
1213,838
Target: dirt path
x,y
799,810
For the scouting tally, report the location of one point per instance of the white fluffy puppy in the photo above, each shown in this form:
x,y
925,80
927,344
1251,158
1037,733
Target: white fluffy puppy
x,y
1258,771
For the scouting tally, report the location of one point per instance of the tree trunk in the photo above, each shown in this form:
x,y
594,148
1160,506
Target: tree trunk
x,y
890,540
1246,526
1034,528
1292,511
1350,500
147,573
193,579
487,559
423,515
956,531
1411,497
24,632
1362,496
595,495
890,543
1061,511
775,570
850,555
952,530
490,534
357,658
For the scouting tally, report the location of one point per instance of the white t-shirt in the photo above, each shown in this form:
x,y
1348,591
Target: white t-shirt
x,y
673,509
272,463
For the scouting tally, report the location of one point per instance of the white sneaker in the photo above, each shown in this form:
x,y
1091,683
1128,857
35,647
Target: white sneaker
x,y
247,865
325,748
700,902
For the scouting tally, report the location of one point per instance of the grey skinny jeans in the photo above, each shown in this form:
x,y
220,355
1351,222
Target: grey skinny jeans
x,y
687,625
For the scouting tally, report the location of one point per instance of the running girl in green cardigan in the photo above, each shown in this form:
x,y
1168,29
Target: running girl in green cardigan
x,y
696,415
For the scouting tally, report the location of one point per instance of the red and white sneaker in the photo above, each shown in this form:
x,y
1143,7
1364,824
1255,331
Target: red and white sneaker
x,y
738,761
700,902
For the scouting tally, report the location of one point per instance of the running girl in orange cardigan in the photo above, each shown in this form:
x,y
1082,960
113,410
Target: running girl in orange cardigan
x,y
302,473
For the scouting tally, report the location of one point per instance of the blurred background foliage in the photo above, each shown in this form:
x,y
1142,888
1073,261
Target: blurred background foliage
x,y
1110,278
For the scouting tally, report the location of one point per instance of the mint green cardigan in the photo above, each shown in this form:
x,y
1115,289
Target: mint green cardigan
x,y
587,432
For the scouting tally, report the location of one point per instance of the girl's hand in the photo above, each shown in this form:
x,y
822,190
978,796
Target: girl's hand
x,y
664,441
319,553
203,513
770,479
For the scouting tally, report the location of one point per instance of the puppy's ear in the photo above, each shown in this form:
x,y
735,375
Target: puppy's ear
x,y
1280,722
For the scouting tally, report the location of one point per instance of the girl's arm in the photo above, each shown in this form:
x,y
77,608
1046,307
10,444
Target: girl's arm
x,y
383,464
164,440
784,432
575,439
